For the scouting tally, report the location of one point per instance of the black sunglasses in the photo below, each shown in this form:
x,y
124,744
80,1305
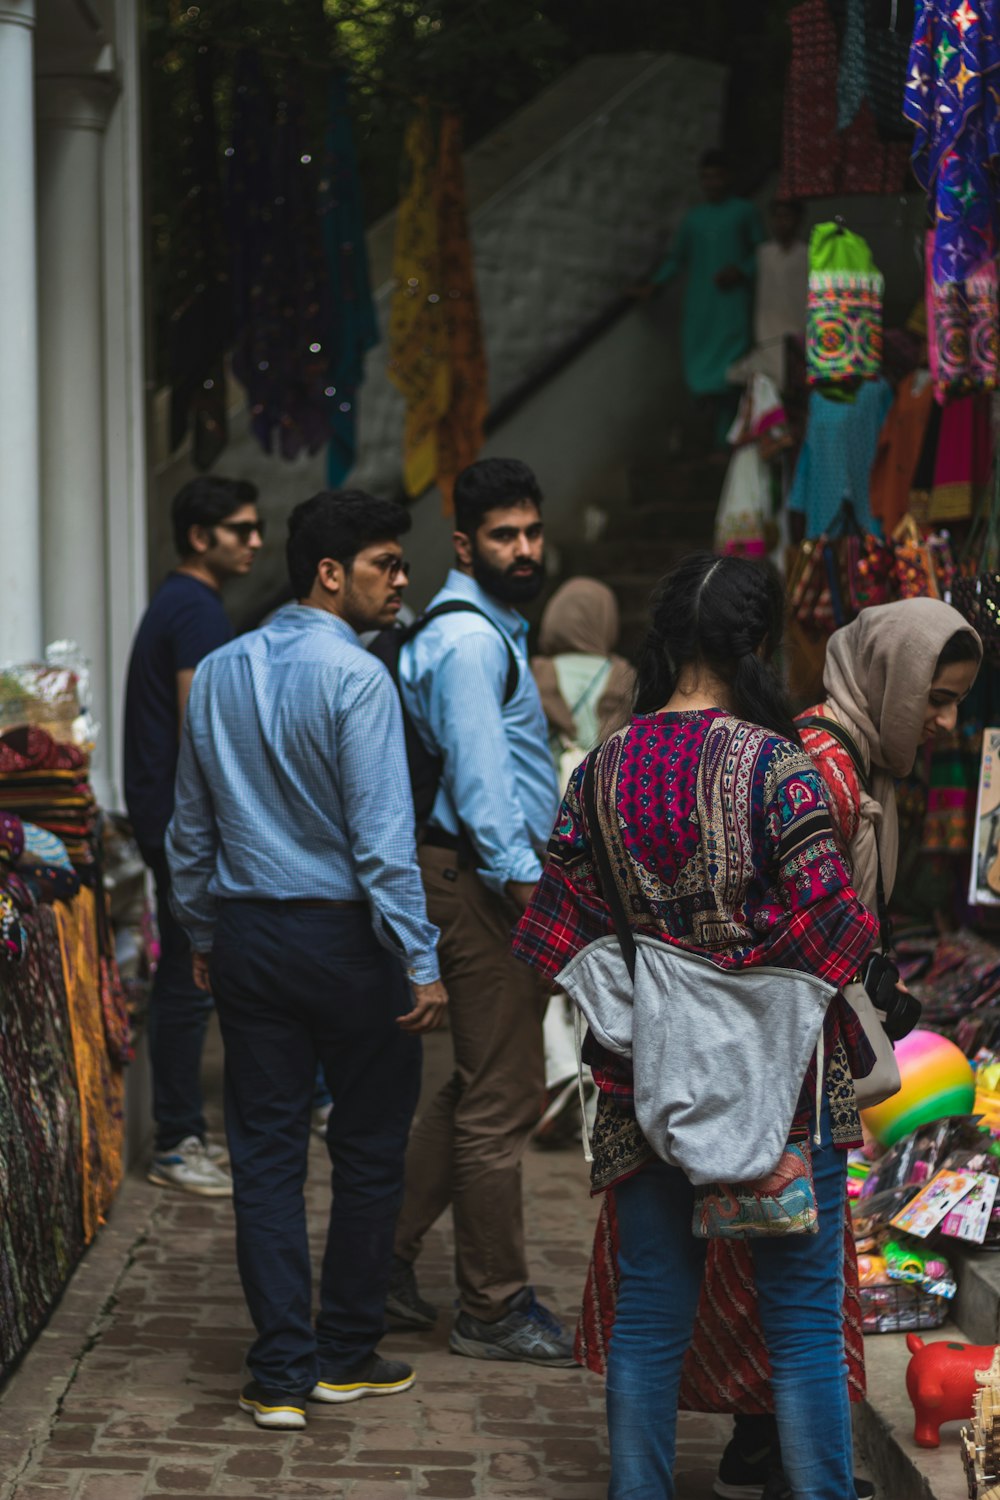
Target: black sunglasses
x,y
244,529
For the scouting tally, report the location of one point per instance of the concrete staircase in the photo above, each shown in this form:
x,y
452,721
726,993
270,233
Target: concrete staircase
x,y
669,512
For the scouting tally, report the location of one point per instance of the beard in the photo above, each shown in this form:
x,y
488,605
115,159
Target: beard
x,y
502,584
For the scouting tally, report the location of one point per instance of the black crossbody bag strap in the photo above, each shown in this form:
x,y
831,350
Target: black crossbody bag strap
x,y
609,884
847,742
466,607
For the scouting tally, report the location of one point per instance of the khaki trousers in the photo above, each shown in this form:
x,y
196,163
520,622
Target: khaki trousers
x,y
467,1143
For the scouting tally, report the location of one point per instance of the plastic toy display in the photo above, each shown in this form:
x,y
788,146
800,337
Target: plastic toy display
x,y
942,1380
937,1082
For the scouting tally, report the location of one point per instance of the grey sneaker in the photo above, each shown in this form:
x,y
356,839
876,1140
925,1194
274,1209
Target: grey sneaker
x,y
404,1305
528,1332
189,1167
216,1152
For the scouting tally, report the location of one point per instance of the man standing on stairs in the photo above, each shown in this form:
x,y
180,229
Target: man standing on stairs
x,y
468,688
715,248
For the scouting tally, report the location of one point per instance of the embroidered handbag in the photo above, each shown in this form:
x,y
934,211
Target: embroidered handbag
x,y
869,571
782,1203
684,1023
809,599
844,323
913,566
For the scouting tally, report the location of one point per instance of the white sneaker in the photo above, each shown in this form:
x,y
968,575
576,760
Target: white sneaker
x,y
216,1152
189,1167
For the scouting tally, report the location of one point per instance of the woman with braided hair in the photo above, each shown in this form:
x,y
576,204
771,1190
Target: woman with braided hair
x,y
720,841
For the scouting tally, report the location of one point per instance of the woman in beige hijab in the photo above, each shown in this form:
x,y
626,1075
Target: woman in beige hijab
x,y
894,679
586,693
586,690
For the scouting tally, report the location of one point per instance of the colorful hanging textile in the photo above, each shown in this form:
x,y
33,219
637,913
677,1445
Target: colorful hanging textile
x,y
873,60
818,160
953,99
962,333
418,336
279,269
964,459
900,445
200,326
844,322
460,430
41,1230
100,1076
353,323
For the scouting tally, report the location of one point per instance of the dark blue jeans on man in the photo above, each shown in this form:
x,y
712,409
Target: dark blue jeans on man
x,y
800,1290
178,1019
296,983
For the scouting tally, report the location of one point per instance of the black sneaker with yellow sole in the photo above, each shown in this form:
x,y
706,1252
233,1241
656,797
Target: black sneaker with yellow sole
x,y
279,1411
374,1377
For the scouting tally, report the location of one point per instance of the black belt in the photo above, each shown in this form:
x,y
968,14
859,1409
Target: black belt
x,y
457,843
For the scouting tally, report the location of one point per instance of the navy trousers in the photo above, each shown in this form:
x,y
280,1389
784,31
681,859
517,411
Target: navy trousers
x,y
178,1019
294,986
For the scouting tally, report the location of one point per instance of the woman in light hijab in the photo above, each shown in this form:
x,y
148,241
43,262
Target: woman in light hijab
x,y
586,693
586,690
894,679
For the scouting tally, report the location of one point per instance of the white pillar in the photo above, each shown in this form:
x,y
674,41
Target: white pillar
x,y
20,582
72,113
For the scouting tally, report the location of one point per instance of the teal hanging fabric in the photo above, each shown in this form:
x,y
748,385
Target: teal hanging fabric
x,y
353,323
844,323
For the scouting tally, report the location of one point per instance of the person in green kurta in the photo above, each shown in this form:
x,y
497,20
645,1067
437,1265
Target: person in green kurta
x,y
715,247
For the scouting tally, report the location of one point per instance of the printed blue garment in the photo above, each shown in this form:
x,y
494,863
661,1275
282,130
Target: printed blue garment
x,y
953,99
837,456
353,323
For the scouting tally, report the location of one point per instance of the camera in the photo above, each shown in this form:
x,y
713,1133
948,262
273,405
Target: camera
x,y
898,1011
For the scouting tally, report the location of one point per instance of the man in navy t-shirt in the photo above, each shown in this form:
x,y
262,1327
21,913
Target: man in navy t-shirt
x,y
217,533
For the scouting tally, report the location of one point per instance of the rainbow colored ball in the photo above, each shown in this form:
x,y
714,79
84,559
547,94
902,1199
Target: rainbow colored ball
x,y
937,1082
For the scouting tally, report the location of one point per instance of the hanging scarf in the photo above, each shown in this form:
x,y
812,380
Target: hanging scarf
x,y
200,325
952,100
460,430
878,675
418,337
353,324
279,272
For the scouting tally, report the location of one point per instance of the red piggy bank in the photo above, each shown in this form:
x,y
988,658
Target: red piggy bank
x,y
942,1379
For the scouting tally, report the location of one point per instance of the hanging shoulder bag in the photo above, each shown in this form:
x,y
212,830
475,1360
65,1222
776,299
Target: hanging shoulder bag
x,y
718,1055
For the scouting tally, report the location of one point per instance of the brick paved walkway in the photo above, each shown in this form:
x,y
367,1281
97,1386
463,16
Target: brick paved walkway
x,y
131,1391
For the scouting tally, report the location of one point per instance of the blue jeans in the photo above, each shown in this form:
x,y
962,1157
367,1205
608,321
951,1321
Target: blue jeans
x,y
295,986
800,1293
178,1019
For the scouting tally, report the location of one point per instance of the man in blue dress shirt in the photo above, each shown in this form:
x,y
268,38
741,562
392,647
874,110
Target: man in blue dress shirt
x,y
480,858
295,876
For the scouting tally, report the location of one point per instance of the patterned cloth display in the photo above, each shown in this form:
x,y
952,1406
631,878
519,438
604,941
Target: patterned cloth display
x,y
100,1079
279,272
460,431
818,160
353,324
953,99
41,1228
45,783
418,339
963,339
844,322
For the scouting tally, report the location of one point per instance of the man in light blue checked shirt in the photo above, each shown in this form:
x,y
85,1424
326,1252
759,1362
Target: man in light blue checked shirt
x,y
480,856
294,874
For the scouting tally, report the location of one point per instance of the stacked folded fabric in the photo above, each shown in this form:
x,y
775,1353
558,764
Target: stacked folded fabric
x,y
45,783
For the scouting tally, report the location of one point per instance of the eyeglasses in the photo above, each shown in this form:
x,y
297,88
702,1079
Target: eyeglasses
x,y
392,567
243,530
